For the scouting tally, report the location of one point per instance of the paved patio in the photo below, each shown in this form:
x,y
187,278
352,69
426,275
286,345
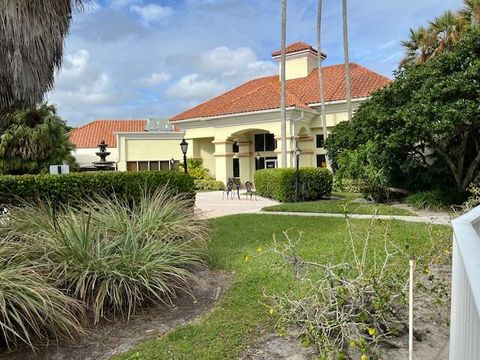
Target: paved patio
x,y
213,204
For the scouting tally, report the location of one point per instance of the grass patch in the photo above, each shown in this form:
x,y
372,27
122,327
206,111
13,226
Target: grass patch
x,y
239,245
339,206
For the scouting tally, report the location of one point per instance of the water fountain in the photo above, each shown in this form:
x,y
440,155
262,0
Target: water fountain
x,y
103,164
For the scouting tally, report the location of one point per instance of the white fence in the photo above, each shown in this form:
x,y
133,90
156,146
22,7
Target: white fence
x,y
465,314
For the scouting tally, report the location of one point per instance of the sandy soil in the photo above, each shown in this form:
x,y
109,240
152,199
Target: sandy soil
x,y
111,338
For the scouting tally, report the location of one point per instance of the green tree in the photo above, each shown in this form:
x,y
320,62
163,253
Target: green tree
x,y
426,122
441,34
33,138
31,47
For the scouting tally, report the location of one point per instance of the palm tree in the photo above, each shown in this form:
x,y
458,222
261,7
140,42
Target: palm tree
x,y
447,30
31,139
31,47
471,12
347,61
320,74
419,46
283,110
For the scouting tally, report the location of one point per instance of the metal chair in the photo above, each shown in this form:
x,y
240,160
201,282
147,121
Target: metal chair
x,y
249,191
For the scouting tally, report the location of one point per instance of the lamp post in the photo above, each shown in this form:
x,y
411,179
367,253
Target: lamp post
x,y
257,158
184,147
172,163
297,163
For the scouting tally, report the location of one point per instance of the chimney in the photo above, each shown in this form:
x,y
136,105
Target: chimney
x,y
301,59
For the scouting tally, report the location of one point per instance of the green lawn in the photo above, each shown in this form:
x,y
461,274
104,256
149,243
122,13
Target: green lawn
x,y
339,206
240,245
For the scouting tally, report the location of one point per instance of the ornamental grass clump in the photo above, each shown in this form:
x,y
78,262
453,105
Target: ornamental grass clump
x,y
112,255
32,310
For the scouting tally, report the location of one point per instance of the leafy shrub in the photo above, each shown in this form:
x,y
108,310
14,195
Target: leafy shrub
x,y
279,184
360,166
74,187
209,185
196,170
435,200
113,255
347,185
32,310
473,198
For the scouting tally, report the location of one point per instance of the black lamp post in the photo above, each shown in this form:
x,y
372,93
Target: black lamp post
x,y
172,164
257,158
184,146
297,163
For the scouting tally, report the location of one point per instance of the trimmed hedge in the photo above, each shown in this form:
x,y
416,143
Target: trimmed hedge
x,y
67,188
203,184
279,184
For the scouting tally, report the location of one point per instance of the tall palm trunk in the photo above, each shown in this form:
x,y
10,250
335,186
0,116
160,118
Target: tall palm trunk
x,y
283,110
320,74
347,61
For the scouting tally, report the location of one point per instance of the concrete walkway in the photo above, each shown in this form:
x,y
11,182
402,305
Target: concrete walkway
x,y
437,220
213,204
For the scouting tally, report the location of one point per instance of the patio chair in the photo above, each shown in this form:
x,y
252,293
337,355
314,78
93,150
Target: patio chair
x,y
249,191
228,190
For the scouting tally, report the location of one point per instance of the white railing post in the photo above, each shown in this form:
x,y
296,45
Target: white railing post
x,y
465,310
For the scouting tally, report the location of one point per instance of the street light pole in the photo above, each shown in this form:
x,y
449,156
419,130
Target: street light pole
x,y
257,159
184,147
297,163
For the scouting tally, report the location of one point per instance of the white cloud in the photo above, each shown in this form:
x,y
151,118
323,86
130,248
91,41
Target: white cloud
x,y
193,86
155,79
152,13
80,83
217,70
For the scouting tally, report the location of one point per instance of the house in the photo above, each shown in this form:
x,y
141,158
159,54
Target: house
x,y
238,132
122,136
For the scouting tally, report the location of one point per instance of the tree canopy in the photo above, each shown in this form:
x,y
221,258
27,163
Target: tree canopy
x,y
33,138
426,124
31,47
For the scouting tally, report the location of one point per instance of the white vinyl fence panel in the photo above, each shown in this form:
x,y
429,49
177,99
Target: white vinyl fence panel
x,y
465,313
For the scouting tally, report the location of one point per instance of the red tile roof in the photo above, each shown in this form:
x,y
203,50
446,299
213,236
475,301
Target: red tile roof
x,y
90,135
264,93
295,47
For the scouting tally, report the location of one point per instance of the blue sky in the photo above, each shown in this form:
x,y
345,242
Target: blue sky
x,y
141,58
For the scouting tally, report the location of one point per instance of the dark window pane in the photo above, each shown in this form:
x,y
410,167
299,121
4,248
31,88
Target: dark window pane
x,y
235,147
269,142
164,165
260,163
143,166
320,140
131,166
153,165
259,142
236,168
321,161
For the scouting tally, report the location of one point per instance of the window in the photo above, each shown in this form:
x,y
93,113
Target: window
x,y
269,142
321,161
236,168
154,166
164,165
320,140
265,142
131,166
143,166
268,162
